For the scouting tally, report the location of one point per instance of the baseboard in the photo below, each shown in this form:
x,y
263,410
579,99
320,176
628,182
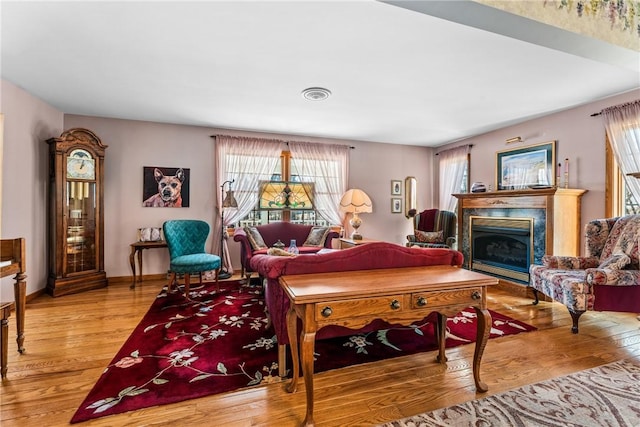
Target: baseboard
x,y
118,279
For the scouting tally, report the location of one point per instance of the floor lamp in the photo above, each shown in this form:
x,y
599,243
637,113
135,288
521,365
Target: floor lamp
x,y
227,202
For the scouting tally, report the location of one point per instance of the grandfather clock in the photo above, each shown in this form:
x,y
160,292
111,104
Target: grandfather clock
x,y
76,213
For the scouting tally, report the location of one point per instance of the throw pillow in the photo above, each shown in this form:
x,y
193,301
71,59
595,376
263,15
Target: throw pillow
x,y
279,252
429,236
317,236
616,262
255,238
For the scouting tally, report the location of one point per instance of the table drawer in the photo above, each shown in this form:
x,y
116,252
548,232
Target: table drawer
x,y
470,296
359,307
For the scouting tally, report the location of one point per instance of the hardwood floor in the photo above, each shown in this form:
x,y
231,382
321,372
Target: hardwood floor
x,y
70,340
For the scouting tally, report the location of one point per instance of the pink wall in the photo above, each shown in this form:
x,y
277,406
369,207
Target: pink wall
x,y
580,137
28,123
133,144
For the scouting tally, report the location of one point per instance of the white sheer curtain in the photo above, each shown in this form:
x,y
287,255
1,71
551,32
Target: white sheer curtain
x,y
622,123
246,161
327,166
452,165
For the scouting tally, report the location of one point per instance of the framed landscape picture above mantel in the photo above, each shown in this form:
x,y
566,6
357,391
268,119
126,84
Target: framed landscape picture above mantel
x,y
526,167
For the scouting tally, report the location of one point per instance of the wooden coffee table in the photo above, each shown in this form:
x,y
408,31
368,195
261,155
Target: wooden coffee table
x,y
400,295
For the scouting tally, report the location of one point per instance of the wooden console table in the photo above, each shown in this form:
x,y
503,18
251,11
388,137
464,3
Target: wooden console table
x,y
138,247
13,257
401,295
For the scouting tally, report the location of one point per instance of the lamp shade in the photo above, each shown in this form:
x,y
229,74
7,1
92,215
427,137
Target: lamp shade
x,y
230,201
356,201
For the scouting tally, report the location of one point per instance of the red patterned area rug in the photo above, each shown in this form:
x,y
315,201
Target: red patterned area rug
x,y
219,342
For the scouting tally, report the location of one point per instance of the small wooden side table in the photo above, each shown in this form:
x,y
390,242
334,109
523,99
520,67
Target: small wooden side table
x,y
138,247
346,243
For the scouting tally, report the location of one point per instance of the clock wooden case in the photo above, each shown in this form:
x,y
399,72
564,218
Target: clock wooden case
x,y
76,213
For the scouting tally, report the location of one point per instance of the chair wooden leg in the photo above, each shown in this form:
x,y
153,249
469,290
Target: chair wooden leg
x,y
535,295
247,278
187,284
217,282
575,315
172,280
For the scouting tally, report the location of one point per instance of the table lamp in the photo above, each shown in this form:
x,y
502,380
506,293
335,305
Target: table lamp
x,y
355,201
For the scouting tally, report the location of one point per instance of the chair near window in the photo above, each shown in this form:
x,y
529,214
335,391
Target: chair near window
x,y
607,278
186,239
433,228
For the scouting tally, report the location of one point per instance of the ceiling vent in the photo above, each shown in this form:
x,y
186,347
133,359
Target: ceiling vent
x,y
316,93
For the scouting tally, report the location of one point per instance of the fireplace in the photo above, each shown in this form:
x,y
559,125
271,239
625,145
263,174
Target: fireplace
x,y
545,221
502,246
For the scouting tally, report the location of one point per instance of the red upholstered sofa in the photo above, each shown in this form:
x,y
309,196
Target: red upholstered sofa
x,y
371,256
271,233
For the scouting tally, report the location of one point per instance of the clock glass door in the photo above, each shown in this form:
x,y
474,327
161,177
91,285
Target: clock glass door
x,y
81,226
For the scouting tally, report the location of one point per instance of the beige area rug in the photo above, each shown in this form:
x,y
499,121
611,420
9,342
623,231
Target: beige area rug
x,y
607,395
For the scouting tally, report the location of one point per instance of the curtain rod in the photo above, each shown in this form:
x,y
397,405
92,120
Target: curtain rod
x,y
624,104
281,141
306,142
453,148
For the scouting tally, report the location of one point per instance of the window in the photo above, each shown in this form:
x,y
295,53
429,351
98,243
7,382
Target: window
x,y
618,199
453,167
283,172
622,125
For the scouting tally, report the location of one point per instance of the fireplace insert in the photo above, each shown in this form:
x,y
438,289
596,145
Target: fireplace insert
x,y
502,246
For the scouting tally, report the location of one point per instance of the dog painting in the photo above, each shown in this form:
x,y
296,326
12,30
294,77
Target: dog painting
x,y
165,187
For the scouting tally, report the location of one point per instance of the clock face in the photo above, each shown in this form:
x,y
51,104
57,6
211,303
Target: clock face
x,y
81,165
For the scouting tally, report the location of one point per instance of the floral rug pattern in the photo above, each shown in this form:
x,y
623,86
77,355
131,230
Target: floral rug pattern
x,y
218,342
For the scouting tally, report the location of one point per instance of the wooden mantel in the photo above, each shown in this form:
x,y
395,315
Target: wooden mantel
x,y
559,207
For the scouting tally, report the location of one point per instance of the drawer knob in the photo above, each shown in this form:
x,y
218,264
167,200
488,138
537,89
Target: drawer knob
x,y
476,295
395,304
422,301
326,312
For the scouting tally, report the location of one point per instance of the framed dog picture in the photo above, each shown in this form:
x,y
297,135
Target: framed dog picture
x,y
165,187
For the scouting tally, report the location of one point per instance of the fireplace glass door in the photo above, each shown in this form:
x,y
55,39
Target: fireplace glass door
x,y
502,246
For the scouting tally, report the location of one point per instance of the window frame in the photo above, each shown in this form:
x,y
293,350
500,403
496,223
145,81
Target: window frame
x,y
257,216
615,197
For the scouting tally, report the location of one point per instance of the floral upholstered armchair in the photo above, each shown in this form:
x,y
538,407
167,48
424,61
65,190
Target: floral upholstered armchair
x,y
433,228
607,278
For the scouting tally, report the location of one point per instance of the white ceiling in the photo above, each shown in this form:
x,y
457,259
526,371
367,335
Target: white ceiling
x,y
430,76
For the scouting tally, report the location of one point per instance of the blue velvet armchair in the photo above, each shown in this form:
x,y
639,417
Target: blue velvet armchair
x,y
185,239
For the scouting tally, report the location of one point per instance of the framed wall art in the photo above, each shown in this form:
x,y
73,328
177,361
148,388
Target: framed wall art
x,y
526,167
165,187
396,187
396,205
